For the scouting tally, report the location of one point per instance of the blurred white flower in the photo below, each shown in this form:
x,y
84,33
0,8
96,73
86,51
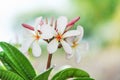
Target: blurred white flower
x,y
59,36
32,37
77,47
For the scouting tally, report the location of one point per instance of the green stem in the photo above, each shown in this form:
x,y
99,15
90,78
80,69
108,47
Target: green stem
x,y
49,61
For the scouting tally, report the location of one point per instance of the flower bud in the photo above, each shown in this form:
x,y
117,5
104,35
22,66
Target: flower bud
x,y
28,26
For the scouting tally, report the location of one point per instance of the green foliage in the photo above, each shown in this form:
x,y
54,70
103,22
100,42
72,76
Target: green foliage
x,y
70,73
16,61
83,78
19,68
44,75
8,75
93,13
7,62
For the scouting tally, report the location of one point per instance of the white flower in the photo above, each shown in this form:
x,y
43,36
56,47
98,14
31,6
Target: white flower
x,y
40,31
77,47
60,35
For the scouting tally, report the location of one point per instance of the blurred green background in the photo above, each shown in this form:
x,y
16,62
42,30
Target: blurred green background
x,y
101,22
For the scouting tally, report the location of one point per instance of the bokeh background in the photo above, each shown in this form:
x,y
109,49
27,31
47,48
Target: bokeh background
x,y
101,22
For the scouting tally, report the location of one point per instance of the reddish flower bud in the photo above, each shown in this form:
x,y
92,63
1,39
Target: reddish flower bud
x,y
72,22
28,26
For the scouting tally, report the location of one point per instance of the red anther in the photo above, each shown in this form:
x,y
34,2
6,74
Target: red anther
x,y
39,31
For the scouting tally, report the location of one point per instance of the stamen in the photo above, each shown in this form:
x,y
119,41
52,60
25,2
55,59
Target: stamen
x,y
37,36
74,44
39,31
59,37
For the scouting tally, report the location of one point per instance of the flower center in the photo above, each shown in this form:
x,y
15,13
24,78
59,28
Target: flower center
x,y
59,37
37,36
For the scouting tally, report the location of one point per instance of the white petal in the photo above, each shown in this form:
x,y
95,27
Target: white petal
x,y
27,33
70,40
71,33
38,21
66,47
47,32
36,49
71,55
27,40
77,55
26,44
36,28
80,29
61,24
52,46
54,32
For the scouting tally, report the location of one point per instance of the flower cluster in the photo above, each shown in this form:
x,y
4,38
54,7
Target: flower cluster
x,y
57,33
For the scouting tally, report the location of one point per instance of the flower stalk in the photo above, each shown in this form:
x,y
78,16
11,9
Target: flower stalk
x,y
49,61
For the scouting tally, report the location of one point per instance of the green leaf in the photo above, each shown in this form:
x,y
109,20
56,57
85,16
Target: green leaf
x,y
6,62
83,78
70,73
44,75
8,75
17,61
